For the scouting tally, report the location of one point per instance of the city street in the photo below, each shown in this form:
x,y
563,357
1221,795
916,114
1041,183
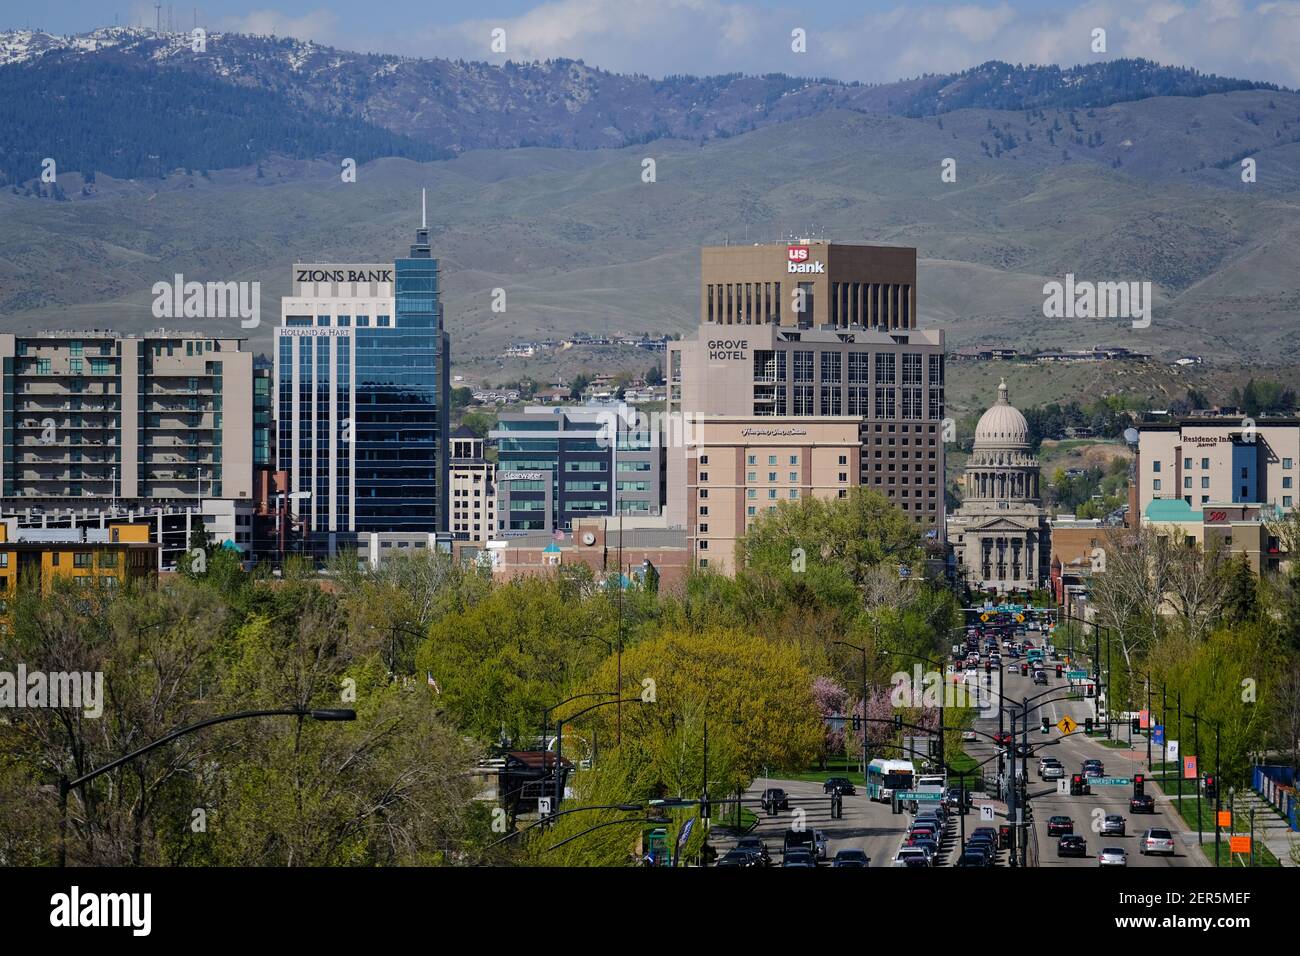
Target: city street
x,y
1046,801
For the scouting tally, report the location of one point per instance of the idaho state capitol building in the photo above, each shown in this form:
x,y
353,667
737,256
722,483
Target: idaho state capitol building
x,y
1000,534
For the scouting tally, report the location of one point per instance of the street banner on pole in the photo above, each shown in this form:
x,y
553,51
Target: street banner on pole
x,y
1189,767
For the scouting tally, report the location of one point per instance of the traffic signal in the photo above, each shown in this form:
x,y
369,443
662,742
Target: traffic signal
x,y
1139,784
1210,786
857,722
896,803
1058,670
705,807
1076,785
1087,725
1046,726
1024,670
898,721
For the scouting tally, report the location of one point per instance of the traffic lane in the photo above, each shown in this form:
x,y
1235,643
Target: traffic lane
x,y
866,825
1087,811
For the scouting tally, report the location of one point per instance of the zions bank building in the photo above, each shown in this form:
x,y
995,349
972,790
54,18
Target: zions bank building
x,y
361,366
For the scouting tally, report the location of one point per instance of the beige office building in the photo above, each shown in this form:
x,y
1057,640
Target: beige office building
x,y
852,351
97,416
472,482
746,465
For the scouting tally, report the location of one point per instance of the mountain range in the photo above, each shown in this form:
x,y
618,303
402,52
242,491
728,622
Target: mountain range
x,y
225,164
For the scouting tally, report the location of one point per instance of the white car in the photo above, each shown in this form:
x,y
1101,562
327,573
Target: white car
x,y
1112,856
910,852
1053,771
969,735
819,841
1156,840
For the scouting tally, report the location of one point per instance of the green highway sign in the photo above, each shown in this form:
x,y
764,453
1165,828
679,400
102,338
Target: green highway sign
x,y
920,796
1110,781
1077,675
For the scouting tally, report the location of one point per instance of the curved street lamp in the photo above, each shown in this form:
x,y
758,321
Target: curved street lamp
x,y
66,785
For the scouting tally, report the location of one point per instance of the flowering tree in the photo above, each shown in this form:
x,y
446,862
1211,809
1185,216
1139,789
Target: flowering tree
x,y
831,700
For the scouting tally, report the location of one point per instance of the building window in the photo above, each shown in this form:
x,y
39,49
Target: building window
x,y
1205,481
704,476
1205,463
1155,466
704,459
794,459
1155,484
844,459
704,545
752,460
1286,481
1286,501
82,559
1286,462
794,476
751,493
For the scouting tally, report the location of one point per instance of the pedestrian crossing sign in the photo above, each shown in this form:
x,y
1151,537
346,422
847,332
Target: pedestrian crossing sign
x,y
1066,725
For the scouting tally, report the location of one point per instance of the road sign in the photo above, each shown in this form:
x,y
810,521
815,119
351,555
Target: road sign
x,y
986,813
1239,844
544,806
984,618
1158,735
1077,675
1062,786
1225,819
1066,725
920,796
1110,781
1020,619
1189,767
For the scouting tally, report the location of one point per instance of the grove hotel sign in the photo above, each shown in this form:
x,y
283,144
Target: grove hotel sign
x,y
772,432
725,350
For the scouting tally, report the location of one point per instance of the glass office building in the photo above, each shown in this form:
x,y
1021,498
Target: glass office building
x,y
362,366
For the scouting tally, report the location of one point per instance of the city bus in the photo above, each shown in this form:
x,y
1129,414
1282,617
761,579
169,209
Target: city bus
x,y
886,776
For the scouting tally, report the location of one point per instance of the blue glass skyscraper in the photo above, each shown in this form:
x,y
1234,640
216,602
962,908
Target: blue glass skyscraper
x,y
362,371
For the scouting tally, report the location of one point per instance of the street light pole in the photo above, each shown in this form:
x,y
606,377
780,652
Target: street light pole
x,y
66,785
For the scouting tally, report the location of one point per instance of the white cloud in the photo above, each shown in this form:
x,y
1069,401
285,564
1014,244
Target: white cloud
x,y
1252,40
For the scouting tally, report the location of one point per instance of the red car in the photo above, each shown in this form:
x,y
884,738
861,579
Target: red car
x,y
1059,826
1003,738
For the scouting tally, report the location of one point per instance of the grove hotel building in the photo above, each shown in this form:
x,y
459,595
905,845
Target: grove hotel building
x,y
746,465
811,330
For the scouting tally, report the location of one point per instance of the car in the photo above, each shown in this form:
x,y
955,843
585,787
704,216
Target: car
x,y
851,857
968,735
1093,762
930,846
1059,825
802,839
1156,840
982,839
1053,771
971,858
774,799
1024,750
925,833
1044,762
915,861
1040,677
1112,856
911,853
799,858
1093,772
843,784
755,845
1143,803
739,858
1113,825
819,841
1072,845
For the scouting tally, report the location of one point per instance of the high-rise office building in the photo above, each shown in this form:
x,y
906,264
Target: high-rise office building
x,y
556,465
810,330
363,390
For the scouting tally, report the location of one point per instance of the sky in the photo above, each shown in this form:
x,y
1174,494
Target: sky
x,y
865,40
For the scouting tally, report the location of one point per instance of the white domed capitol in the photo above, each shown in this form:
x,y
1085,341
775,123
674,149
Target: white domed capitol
x,y
999,533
